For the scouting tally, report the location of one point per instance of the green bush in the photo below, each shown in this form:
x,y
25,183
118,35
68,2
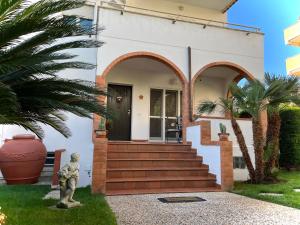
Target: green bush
x,y
290,138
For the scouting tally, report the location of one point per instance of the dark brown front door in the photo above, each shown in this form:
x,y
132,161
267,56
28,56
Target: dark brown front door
x,y
119,105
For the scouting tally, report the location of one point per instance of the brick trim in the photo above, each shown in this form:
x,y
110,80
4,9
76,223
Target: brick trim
x,y
56,168
99,166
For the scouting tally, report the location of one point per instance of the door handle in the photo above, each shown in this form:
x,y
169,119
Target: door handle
x,y
129,111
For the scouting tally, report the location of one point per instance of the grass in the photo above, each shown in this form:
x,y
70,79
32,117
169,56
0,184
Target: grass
x,y
23,205
289,181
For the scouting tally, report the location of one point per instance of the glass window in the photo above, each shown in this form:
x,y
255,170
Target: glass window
x,y
86,23
156,128
171,103
156,101
239,163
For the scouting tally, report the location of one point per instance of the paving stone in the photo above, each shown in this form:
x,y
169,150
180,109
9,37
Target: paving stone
x,y
271,194
52,195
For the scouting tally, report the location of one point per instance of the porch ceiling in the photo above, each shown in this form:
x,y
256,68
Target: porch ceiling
x,y
220,72
220,5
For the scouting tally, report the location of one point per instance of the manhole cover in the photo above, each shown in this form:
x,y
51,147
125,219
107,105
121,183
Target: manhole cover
x,y
181,199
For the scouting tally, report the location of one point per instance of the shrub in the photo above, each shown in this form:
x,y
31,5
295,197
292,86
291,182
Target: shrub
x,y
290,137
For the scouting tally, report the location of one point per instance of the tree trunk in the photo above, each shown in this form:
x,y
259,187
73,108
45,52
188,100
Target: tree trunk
x,y
273,136
258,142
242,144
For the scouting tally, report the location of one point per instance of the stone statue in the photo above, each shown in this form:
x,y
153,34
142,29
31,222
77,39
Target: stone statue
x,y
68,178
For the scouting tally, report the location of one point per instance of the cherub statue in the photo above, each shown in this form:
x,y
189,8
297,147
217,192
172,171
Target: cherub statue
x,y
68,177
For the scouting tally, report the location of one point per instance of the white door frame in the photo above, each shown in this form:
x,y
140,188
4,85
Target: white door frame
x,y
163,117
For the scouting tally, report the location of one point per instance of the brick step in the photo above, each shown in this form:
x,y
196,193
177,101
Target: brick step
x,y
191,150
147,147
163,182
162,190
152,154
157,172
148,162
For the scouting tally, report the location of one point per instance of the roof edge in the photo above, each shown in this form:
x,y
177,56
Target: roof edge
x,y
230,4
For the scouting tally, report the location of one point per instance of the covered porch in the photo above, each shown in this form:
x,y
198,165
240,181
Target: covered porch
x,y
145,100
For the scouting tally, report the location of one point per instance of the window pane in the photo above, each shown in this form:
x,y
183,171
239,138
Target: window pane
x,y
171,103
86,23
155,127
156,98
171,125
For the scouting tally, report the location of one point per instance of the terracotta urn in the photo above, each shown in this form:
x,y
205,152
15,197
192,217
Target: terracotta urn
x,y
223,136
22,159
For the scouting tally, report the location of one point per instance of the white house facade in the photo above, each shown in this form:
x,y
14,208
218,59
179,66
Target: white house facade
x,y
160,59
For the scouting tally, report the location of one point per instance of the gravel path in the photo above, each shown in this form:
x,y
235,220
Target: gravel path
x,y
220,209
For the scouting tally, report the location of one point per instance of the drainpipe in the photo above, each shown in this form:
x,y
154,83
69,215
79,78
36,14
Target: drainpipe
x,y
190,83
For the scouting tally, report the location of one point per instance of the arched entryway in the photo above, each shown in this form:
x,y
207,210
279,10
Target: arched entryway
x,y
145,96
212,82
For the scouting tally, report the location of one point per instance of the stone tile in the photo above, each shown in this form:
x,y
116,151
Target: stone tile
x,y
52,195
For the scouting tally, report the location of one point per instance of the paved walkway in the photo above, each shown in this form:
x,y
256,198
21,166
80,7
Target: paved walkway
x,y
219,209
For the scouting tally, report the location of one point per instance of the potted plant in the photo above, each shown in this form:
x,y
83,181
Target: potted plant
x,y
223,135
101,130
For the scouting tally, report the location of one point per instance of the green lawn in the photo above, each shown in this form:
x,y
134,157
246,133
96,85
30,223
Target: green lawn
x,y
23,205
290,180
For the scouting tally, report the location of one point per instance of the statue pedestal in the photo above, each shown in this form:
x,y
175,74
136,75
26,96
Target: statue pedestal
x,y
68,205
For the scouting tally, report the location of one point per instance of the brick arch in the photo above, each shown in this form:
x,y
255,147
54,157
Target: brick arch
x,y
243,73
101,80
149,55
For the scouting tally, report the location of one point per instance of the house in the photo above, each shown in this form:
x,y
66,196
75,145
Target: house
x,y
160,59
292,37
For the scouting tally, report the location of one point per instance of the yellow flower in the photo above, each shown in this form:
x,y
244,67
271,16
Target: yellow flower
x,y
2,218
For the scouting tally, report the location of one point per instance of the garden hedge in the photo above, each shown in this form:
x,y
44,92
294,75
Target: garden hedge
x,y
290,138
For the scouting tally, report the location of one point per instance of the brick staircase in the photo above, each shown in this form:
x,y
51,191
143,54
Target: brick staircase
x,y
138,168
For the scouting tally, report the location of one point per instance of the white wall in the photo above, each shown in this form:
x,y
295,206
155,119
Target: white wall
x,y
209,88
211,154
246,127
130,33
173,7
142,82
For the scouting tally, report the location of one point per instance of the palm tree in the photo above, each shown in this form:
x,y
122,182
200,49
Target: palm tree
x,y
228,106
287,94
254,98
33,43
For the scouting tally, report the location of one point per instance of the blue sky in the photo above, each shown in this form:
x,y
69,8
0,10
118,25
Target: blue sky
x,y
272,16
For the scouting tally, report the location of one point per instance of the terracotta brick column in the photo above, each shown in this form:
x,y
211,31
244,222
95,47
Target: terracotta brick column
x,y
226,165
99,165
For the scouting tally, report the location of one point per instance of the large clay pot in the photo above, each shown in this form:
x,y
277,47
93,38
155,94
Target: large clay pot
x,y
22,159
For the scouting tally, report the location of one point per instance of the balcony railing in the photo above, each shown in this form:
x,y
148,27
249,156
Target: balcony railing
x,y
177,17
